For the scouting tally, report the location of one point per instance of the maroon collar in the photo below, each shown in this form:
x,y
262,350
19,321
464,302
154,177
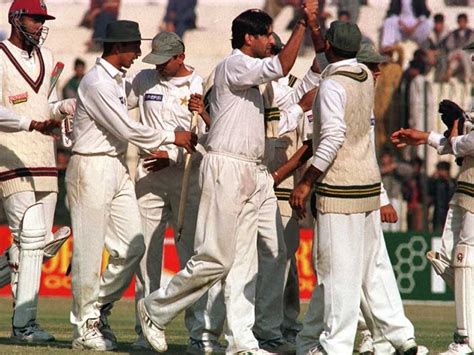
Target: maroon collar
x,y
35,85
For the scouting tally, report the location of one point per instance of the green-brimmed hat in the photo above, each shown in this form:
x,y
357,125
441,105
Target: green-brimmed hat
x,y
165,45
368,54
121,31
470,46
344,36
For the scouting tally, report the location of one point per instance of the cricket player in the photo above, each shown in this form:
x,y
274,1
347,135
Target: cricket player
x,y
162,95
28,173
455,261
234,187
101,195
347,182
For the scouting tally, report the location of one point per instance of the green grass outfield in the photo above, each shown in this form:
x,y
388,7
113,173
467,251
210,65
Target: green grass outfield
x,y
433,323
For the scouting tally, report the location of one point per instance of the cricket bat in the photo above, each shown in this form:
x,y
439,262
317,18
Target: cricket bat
x,y
185,184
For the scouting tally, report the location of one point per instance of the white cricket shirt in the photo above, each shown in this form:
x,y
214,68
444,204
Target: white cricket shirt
x,y
101,122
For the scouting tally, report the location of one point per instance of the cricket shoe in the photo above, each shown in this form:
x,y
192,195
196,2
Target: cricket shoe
x,y
277,346
290,335
411,348
153,334
92,338
104,325
31,333
458,349
317,350
141,344
204,347
366,346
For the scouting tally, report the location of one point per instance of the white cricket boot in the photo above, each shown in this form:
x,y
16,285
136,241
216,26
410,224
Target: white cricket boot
x,y
458,349
154,335
204,347
92,338
366,346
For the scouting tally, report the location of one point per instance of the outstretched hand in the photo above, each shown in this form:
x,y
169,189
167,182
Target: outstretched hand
x,y
409,136
157,161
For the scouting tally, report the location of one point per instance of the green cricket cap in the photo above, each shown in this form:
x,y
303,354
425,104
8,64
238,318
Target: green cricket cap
x,y
121,31
344,36
164,46
368,54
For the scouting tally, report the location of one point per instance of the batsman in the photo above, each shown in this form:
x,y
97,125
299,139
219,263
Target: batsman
x,y
28,173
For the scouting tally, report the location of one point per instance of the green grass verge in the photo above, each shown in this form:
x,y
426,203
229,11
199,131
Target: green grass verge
x,y
433,323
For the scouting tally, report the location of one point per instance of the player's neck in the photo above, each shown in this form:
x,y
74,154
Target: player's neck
x,y
21,42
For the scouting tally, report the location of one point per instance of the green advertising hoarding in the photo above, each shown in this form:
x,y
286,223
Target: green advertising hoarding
x,y
415,277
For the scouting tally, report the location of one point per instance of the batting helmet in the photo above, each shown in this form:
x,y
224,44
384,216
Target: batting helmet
x,y
29,8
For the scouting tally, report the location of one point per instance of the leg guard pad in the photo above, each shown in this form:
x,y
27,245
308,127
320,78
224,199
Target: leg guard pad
x,y
442,267
32,239
464,290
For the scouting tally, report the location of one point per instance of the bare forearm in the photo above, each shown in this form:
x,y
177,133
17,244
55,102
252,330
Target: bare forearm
x,y
297,160
289,53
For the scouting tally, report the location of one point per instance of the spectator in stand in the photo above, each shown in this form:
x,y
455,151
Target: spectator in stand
x,y
406,19
180,16
352,7
70,89
441,188
459,61
436,48
413,193
101,13
393,175
345,16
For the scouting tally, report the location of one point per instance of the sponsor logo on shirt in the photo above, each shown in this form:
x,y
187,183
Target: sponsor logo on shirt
x,y
18,99
310,117
122,100
153,97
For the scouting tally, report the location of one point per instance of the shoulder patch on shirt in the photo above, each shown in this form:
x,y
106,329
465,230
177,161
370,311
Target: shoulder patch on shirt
x,y
153,97
18,99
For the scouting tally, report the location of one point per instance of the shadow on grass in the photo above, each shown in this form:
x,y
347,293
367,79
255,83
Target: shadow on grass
x,y
59,344
172,349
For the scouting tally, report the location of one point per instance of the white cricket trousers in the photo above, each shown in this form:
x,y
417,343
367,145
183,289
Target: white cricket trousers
x,y
233,190
158,196
350,256
15,206
104,212
271,269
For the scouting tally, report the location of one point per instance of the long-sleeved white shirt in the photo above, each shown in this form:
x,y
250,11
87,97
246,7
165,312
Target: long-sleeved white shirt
x,y
236,105
460,146
329,109
287,99
11,122
163,103
101,122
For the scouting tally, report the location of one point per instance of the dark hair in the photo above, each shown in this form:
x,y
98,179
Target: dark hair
x,y
343,13
108,46
443,165
78,62
252,22
342,53
462,16
438,18
419,65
